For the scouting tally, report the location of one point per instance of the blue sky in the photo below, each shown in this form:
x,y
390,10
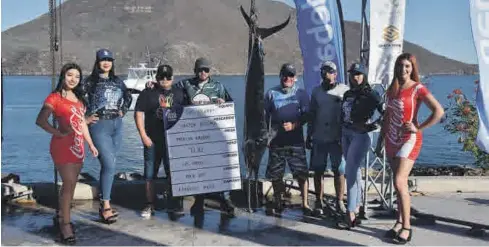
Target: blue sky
x,y
441,26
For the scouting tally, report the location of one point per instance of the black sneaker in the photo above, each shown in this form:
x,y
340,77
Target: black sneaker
x,y
179,206
279,205
175,208
307,211
227,207
197,209
319,207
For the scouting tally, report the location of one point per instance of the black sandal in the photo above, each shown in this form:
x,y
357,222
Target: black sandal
x,y
56,223
399,240
71,240
393,233
306,211
109,220
347,224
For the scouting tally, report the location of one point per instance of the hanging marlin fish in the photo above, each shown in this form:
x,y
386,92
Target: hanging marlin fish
x,y
256,133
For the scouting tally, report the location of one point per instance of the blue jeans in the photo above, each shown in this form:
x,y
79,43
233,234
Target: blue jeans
x,y
355,148
107,136
153,156
319,157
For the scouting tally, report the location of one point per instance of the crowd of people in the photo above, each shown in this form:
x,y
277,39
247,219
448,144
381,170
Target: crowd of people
x,y
338,115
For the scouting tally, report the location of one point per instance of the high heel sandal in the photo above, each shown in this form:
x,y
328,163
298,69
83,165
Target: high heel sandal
x,y
109,220
347,224
399,240
393,233
71,240
56,223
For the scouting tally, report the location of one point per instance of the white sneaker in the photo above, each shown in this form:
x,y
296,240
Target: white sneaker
x,y
148,211
341,207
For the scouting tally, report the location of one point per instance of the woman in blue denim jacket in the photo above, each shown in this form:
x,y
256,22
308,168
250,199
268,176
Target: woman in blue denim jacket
x,y
358,106
108,101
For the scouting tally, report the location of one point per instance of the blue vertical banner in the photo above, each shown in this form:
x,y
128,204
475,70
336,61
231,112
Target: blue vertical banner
x,y
479,15
321,38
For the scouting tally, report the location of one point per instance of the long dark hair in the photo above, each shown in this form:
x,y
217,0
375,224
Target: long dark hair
x,y
394,87
363,85
78,90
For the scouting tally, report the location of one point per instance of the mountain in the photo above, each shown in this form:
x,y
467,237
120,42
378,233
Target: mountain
x,y
176,32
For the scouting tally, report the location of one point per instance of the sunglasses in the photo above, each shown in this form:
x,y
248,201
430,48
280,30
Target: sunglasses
x,y
166,78
206,70
288,75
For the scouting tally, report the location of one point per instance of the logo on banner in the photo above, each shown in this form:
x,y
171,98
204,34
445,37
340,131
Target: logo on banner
x,y
320,38
391,33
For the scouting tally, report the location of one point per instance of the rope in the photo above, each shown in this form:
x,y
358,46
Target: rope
x,y
52,40
53,48
60,34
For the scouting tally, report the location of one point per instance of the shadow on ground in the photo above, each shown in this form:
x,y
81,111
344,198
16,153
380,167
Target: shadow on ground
x,y
34,225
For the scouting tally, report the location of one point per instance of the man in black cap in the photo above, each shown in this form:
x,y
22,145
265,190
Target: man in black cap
x,y
154,105
202,89
287,107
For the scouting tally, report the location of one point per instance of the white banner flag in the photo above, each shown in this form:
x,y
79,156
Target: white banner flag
x,y
479,15
386,38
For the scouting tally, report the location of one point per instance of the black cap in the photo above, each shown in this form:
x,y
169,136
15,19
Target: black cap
x,y
287,69
164,71
202,63
358,68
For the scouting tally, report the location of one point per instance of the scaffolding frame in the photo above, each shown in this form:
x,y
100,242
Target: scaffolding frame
x,y
385,192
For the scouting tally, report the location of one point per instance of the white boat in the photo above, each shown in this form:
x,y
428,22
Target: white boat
x,y
137,77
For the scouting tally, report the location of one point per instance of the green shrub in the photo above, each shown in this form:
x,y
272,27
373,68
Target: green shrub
x,y
462,120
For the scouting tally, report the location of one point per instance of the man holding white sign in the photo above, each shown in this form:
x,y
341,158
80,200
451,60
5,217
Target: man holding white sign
x,y
151,112
201,90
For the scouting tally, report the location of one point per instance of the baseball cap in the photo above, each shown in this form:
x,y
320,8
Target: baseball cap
x,y
104,54
328,66
287,69
358,67
202,63
164,71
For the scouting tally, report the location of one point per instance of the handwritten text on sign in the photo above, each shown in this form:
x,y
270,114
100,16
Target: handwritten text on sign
x,y
203,150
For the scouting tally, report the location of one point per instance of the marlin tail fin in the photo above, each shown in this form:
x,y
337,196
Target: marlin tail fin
x,y
263,32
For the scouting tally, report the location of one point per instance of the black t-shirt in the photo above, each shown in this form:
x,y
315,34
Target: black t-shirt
x,y
157,103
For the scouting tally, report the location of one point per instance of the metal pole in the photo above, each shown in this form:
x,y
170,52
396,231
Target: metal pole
x,y
367,161
364,39
52,49
362,25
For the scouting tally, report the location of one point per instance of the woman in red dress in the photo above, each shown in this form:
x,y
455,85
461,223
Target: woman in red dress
x,y
403,134
67,143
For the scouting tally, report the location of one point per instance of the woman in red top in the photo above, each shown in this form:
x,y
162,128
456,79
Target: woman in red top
x,y
403,134
67,143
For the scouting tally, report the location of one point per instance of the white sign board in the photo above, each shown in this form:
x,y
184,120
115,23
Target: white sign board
x,y
203,150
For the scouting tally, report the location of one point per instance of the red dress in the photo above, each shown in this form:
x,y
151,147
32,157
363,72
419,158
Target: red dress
x,y
404,108
67,149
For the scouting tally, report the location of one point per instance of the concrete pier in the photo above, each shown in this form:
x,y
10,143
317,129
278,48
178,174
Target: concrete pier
x,y
31,224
